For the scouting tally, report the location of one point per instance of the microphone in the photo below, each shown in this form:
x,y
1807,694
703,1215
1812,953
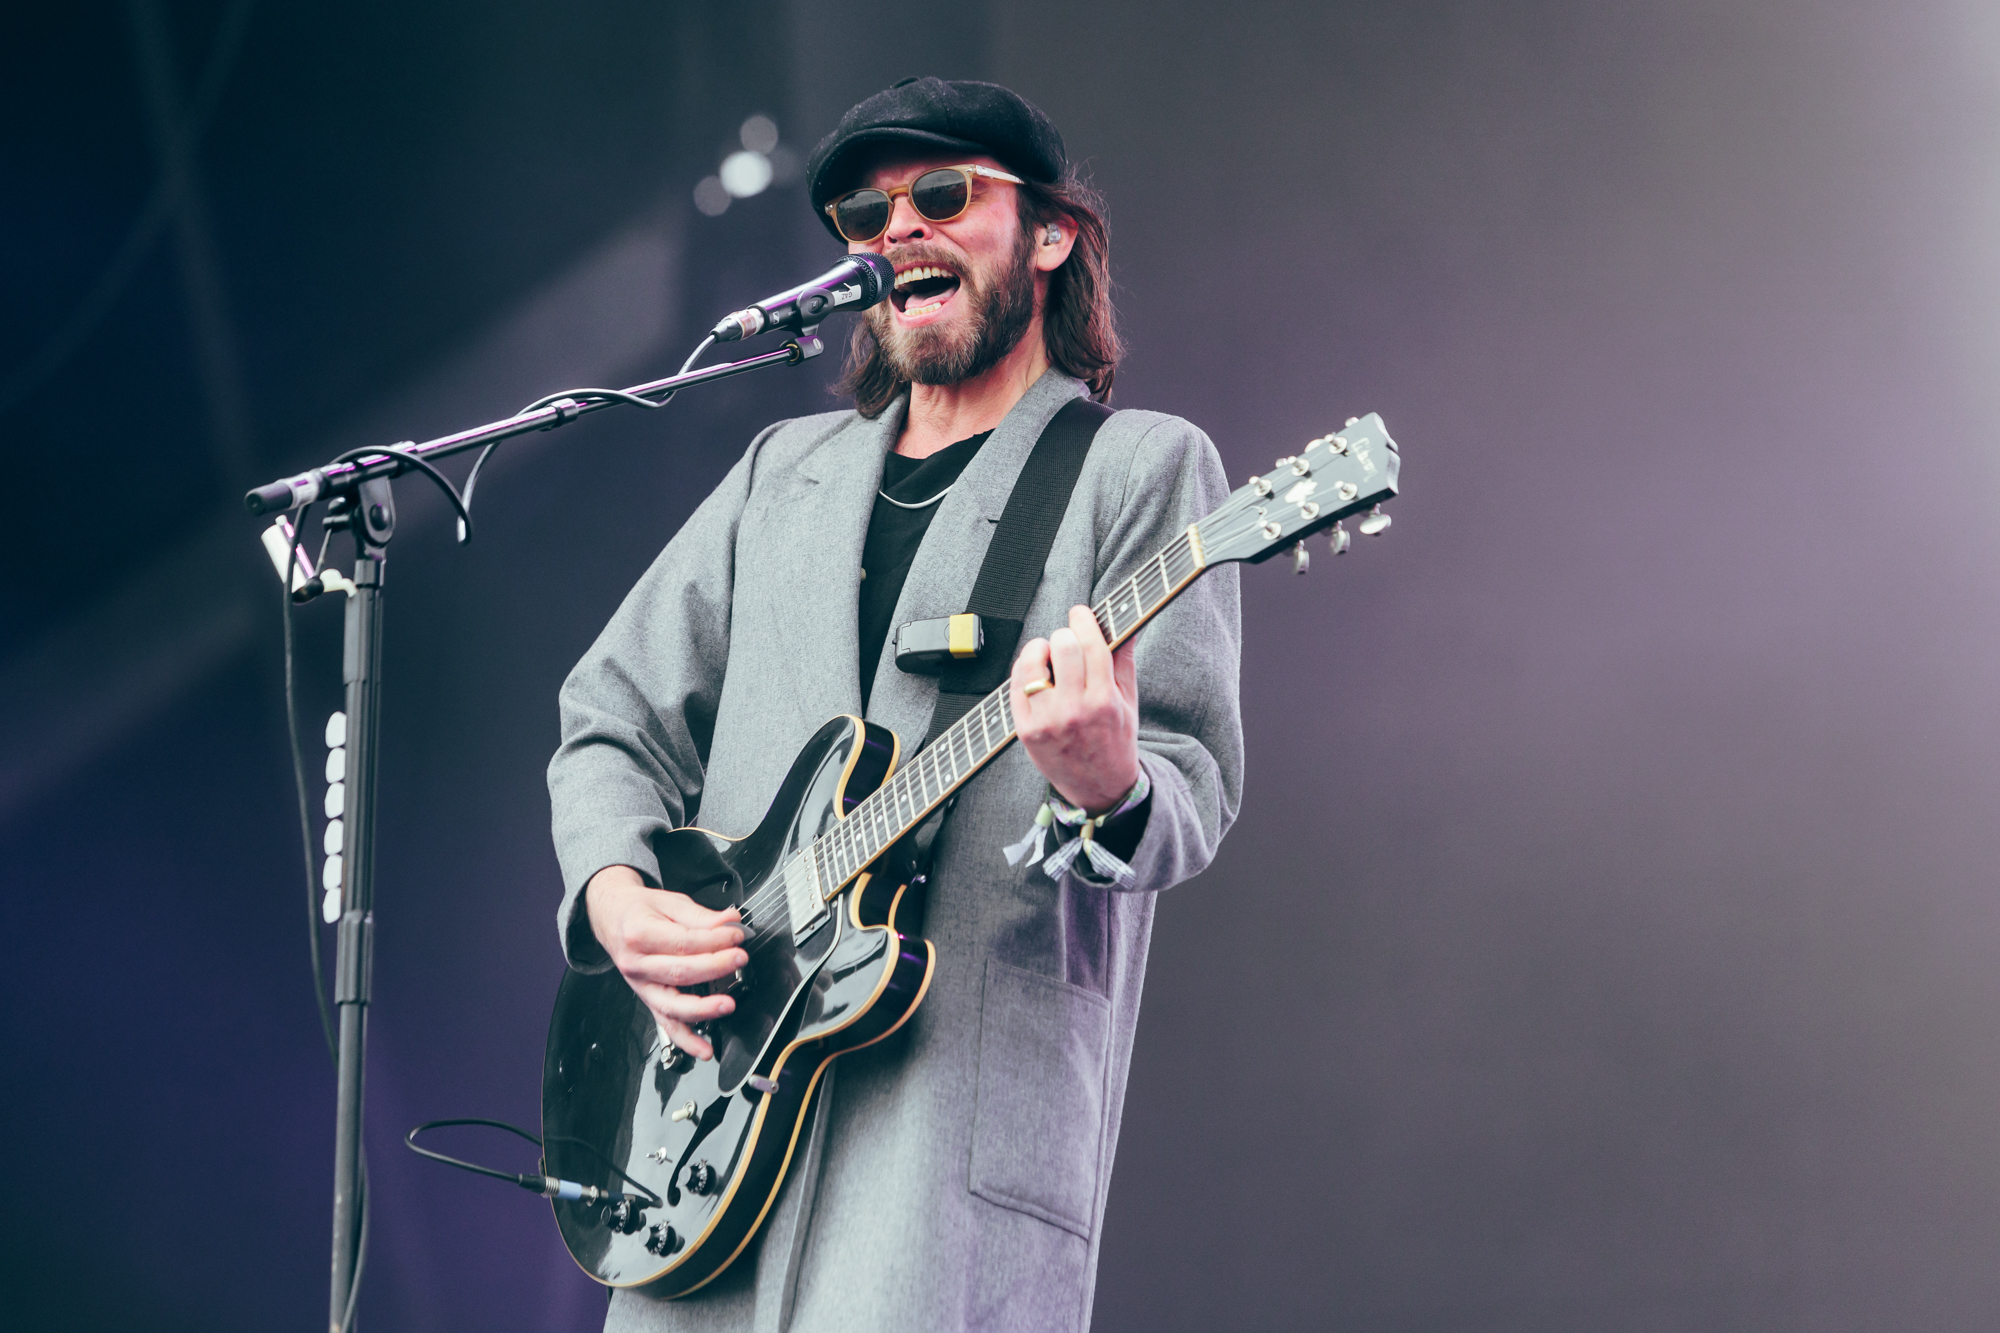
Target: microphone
x,y
855,283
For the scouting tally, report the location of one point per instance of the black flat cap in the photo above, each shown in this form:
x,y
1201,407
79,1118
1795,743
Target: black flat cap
x,y
958,115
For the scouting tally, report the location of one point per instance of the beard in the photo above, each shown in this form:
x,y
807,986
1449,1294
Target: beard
x,y
998,311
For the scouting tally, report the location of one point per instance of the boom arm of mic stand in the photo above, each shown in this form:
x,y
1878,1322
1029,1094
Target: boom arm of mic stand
x,y
306,487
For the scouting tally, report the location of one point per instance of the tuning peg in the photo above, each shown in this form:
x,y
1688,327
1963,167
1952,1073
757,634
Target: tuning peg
x,y
1340,539
1376,522
1301,558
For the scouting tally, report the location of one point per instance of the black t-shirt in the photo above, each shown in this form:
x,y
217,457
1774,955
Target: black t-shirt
x,y
894,533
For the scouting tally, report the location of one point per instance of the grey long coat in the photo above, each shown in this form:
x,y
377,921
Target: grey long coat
x,y
958,1181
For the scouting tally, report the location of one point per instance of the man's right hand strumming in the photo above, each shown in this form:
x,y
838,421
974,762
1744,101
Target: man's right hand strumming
x,y
662,941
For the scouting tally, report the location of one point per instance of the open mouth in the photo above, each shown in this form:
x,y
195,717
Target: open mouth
x,y
923,290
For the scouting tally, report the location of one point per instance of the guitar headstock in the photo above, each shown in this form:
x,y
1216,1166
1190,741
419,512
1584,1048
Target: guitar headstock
x,y
1348,471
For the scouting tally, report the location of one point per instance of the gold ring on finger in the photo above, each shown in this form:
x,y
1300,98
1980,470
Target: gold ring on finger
x,y
1036,687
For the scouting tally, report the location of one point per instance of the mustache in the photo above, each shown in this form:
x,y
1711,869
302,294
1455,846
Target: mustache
x,y
924,252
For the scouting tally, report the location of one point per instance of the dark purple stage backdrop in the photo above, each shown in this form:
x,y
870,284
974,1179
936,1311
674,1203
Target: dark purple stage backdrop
x,y
1609,938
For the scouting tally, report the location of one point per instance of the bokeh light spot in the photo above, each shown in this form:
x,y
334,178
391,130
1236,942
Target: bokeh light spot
x,y
710,197
745,173
759,134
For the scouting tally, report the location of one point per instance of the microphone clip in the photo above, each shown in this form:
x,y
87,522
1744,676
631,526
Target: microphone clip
x,y
748,323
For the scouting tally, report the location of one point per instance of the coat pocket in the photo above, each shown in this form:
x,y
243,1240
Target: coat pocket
x,y
1038,1126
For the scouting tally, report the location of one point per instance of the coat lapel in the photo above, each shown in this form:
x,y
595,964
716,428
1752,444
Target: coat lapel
x,y
834,505
941,575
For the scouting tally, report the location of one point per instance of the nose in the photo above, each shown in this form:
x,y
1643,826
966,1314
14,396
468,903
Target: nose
x,y
905,223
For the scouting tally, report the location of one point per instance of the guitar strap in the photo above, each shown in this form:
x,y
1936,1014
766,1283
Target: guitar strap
x,y
1015,558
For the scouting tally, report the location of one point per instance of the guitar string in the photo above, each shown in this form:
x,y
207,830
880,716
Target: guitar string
x,y
851,850
842,844
895,790
851,845
843,841
856,839
842,838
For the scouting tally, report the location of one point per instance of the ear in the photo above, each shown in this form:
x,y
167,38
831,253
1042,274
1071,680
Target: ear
x,y
1053,242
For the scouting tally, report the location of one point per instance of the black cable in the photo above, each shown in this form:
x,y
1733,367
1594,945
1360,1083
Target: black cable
x,y
596,396
398,451
536,1183
611,395
410,1140
471,480
299,781
582,396
360,1253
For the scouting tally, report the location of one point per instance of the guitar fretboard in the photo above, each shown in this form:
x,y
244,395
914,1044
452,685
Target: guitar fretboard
x,y
963,748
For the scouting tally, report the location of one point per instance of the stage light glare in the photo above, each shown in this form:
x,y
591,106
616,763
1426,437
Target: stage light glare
x,y
745,173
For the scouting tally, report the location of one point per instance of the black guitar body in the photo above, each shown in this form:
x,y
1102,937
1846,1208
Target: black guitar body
x,y
693,1152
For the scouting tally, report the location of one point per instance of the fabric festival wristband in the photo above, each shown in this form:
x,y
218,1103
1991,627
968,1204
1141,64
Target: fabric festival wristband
x,y
1056,810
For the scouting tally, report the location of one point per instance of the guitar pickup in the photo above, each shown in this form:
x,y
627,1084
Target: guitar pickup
x,y
800,934
802,899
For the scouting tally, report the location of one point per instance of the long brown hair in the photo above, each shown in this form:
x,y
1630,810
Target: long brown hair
x,y
1079,326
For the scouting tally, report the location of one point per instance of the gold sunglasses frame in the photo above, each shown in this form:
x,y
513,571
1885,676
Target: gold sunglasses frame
x,y
966,169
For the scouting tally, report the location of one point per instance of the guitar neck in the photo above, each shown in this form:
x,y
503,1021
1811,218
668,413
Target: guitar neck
x,y
966,746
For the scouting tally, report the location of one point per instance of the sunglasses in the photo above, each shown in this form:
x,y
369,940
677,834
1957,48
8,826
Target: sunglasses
x,y
939,195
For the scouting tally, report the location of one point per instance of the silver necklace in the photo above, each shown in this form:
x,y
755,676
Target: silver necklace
x,y
921,504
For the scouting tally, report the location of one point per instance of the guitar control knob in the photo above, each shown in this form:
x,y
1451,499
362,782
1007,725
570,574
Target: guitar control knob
x,y
661,1240
701,1178
685,1111
626,1216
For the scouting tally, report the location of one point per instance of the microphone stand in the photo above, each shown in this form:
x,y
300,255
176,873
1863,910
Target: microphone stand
x,y
362,503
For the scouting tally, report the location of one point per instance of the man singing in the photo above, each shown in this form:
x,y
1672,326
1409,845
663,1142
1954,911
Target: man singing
x,y
955,1178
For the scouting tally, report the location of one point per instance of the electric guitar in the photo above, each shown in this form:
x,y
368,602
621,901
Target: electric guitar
x,y
674,1163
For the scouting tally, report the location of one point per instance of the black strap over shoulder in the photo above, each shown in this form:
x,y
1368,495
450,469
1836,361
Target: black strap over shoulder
x,y
1012,569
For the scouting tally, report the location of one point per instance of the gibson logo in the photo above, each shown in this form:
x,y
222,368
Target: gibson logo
x,y
842,295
